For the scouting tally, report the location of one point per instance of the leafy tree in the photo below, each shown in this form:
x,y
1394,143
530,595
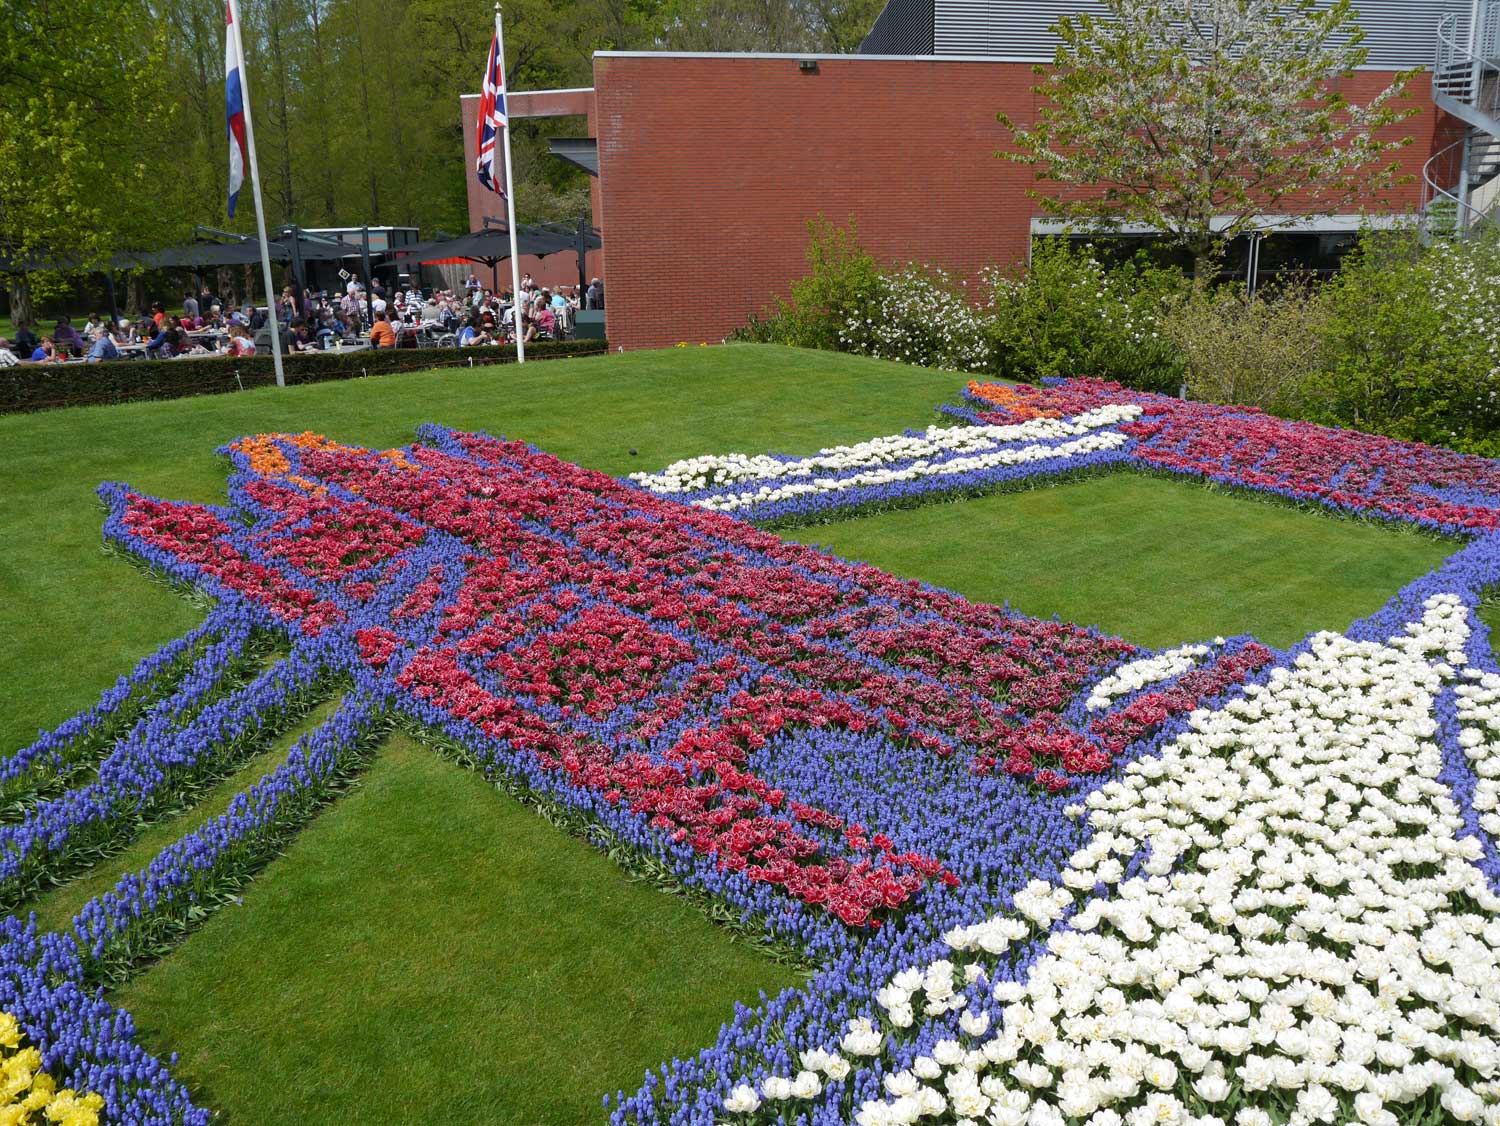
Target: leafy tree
x,y
1173,113
83,169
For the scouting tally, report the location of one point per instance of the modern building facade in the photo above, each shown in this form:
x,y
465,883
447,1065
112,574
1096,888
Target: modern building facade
x,y
708,166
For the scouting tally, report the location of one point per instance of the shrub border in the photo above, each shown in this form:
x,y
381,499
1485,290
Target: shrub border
x,y
27,387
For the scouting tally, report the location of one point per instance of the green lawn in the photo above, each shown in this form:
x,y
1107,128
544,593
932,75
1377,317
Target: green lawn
x,y
75,619
430,951
1154,560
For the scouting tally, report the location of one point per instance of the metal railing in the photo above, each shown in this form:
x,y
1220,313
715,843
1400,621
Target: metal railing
x,y
1460,74
1466,83
1445,211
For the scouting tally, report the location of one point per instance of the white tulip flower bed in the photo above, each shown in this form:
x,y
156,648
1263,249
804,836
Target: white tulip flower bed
x,y
734,482
1135,675
1276,919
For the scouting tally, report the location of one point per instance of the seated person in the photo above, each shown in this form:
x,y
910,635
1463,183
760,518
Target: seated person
x,y
302,337
240,343
546,320
25,341
382,335
46,353
66,336
93,328
159,346
8,359
329,326
103,348
473,333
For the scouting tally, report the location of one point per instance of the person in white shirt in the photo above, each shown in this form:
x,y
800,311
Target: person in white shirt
x,y
8,358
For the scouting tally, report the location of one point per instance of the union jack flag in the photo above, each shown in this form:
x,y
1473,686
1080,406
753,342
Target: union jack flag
x,y
491,119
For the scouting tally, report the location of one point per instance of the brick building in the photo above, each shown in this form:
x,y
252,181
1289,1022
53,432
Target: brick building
x,y
708,166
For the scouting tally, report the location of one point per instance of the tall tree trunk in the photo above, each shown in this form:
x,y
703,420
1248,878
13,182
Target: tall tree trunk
x,y
18,295
320,74
282,115
364,105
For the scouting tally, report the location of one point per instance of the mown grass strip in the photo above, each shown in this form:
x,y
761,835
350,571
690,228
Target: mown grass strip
x,y
1155,560
55,908
430,950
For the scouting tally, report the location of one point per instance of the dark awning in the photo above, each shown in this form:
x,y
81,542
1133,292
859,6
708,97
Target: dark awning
x,y
489,246
198,254
582,151
315,248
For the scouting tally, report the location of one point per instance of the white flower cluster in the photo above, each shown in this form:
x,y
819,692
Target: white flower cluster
x,y
1011,455
712,470
919,316
1466,291
1479,712
1308,931
1148,670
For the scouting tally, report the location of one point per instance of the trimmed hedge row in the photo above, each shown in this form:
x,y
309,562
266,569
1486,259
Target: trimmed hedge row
x,y
44,387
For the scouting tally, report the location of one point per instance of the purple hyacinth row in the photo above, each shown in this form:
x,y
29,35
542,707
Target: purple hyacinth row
x,y
54,750
116,928
80,1035
154,761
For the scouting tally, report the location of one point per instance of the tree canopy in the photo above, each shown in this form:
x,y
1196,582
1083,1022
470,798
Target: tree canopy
x,y
112,112
1203,119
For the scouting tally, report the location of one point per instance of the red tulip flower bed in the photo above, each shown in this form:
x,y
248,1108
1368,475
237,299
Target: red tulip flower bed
x,y
1242,446
637,653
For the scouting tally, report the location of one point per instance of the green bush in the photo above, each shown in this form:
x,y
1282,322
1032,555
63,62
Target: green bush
x,y
840,288
30,387
1263,351
1065,314
1414,342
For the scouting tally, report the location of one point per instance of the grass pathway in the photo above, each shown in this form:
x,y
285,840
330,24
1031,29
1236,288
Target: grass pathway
x,y
1156,561
429,950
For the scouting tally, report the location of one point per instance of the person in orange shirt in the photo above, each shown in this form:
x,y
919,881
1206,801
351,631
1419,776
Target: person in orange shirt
x,y
382,335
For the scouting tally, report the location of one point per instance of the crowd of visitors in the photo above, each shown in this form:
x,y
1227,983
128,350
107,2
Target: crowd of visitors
x,y
376,317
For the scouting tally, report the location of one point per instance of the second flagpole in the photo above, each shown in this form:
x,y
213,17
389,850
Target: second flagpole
x,y
510,197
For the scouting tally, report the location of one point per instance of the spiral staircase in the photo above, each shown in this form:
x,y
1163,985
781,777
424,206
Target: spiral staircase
x,y
1461,183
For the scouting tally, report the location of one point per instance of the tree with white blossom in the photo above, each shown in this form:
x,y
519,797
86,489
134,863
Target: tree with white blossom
x,y
1202,119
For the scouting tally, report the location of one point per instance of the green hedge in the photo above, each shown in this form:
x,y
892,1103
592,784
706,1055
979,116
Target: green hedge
x,y
45,386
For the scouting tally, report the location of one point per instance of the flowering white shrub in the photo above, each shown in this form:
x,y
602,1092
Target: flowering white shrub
x,y
1466,289
920,317
1307,928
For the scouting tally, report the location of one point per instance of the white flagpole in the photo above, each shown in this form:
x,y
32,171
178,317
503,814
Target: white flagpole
x,y
260,212
510,199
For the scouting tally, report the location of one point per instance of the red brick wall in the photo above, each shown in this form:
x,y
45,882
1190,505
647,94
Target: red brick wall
x,y
555,269
710,168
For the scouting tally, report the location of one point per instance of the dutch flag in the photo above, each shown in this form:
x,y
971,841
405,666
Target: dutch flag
x,y
234,107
